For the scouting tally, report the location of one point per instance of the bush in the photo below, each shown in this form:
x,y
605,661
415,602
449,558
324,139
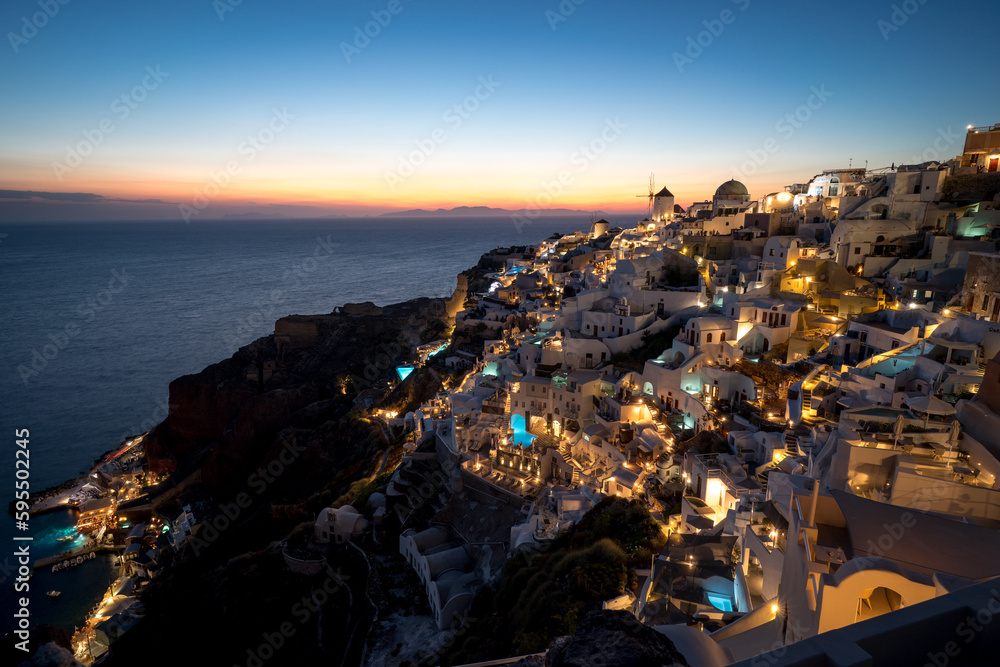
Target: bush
x,y
544,594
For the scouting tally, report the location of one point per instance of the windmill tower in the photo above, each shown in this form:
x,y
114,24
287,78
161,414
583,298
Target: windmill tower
x,y
650,196
598,228
663,206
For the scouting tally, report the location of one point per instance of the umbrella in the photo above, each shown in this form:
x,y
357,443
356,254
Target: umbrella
x,y
931,405
897,431
954,434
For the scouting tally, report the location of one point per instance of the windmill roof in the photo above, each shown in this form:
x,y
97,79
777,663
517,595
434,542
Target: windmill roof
x,y
664,193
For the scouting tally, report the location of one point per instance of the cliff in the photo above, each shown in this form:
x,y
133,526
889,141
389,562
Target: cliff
x,y
228,417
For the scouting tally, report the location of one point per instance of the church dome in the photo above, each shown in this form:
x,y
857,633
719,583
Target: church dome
x,y
732,190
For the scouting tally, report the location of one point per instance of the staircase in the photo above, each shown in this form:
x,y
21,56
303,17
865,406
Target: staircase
x,y
567,457
762,478
806,445
806,400
791,443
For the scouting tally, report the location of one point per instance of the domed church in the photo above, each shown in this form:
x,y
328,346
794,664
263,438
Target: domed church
x,y
730,198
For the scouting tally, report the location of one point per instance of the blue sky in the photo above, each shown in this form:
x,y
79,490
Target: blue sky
x,y
893,82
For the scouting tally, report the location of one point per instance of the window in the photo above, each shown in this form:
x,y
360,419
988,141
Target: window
x,y
772,252
708,338
722,337
857,251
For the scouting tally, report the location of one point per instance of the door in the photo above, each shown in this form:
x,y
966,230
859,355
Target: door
x,y
994,162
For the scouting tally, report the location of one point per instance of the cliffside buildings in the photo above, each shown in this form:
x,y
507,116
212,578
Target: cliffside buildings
x,y
805,383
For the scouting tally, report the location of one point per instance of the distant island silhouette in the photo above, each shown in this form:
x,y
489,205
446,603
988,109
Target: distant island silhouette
x,y
483,211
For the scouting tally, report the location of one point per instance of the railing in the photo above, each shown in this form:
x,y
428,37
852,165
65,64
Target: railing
x,y
718,473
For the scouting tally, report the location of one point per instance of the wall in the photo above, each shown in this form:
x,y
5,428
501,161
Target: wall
x,y
938,495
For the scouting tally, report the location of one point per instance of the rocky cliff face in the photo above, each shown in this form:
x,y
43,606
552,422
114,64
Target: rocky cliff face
x,y
228,416
292,392
613,638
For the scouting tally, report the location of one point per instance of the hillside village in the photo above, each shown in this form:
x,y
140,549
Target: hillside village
x,y
745,423
775,377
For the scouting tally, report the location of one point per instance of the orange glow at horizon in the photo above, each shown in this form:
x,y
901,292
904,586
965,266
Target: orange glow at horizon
x,y
271,185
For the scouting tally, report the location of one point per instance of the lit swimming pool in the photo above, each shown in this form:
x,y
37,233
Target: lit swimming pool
x,y
521,435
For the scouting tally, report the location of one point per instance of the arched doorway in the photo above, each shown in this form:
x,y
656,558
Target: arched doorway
x,y
877,601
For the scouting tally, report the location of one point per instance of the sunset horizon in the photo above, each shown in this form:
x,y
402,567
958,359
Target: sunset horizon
x,y
388,333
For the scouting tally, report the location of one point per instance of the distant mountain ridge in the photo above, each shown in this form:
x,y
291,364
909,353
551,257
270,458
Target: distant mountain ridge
x,y
483,211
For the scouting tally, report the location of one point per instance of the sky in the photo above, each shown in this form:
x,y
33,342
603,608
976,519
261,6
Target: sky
x,y
199,109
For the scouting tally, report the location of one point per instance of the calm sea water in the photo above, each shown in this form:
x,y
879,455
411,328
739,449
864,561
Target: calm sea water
x,y
98,318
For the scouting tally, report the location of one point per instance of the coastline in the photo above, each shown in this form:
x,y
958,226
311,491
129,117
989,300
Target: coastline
x,y
406,315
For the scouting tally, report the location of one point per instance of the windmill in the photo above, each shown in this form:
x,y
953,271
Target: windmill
x,y
652,193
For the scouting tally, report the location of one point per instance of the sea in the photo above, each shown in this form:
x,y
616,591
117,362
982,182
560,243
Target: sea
x,y
99,317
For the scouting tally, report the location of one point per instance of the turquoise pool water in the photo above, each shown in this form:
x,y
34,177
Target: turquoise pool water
x,y
521,435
